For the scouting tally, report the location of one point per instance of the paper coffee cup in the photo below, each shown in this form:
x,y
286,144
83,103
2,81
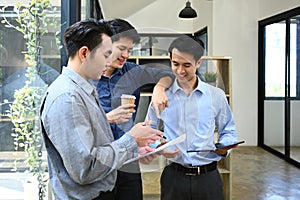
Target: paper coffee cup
x,y
127,99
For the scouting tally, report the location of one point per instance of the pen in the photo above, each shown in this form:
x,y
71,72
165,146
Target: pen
x,y
162,136
160,125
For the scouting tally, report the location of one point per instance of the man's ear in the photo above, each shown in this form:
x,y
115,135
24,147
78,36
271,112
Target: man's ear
x,y
198,63
83,53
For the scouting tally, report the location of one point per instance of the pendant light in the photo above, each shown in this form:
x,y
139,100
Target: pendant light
x,y
188,11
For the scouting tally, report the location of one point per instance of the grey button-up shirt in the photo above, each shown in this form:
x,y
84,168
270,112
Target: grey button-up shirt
x,y
82,154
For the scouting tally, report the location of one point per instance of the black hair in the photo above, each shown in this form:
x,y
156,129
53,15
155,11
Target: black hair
x,y
188,44
122,28
85,33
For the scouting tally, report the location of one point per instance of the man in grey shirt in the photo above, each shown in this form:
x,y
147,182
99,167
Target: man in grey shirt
x,y
82,154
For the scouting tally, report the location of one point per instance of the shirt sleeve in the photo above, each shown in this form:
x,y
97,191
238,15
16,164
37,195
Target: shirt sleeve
x,y
138,76
224,120
86,150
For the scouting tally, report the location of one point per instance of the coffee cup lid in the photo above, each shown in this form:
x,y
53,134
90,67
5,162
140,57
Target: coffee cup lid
x,y
128,96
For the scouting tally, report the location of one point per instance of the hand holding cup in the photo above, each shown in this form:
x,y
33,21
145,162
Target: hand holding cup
x,y
128,99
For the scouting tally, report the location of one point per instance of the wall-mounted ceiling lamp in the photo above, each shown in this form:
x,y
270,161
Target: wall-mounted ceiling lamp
x,y
188,11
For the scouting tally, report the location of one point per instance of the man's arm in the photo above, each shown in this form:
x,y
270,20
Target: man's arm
x,y
137,76
224,121
159,97
86,149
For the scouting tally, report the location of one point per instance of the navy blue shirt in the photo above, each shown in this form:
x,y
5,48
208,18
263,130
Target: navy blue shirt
x,y
127,80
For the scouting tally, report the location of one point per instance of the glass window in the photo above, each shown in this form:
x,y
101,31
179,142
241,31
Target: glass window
x,y
275,59
293,56
85,6
153,45
13,66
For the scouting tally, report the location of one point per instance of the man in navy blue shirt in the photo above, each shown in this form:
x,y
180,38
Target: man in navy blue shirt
x,y
123,77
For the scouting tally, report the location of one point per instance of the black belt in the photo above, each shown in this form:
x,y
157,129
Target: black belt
x,y
194,170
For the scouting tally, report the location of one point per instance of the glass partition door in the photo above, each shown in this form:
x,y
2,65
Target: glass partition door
x,y
274,85
294,88
279,85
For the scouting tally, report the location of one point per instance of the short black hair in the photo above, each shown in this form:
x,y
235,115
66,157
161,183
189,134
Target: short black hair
x,y
188,44
122,28
85,33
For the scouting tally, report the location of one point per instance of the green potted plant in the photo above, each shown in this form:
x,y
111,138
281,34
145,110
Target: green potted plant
x,y
211,77
33,22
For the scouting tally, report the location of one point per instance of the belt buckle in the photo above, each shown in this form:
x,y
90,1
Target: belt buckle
x,y
194,174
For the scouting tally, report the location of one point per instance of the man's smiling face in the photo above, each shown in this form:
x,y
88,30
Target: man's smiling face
x,y
121,51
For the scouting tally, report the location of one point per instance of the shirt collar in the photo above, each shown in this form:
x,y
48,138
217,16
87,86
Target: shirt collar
x,y
81,82
119,71
116,72
201,86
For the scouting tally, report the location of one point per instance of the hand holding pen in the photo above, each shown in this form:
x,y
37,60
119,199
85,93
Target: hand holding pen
x,y
163,140
144,134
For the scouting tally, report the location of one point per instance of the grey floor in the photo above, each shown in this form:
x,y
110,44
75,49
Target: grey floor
x,y
257,175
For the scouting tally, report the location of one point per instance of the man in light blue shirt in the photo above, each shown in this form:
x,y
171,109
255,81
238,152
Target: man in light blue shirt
x,y
83,157
195,109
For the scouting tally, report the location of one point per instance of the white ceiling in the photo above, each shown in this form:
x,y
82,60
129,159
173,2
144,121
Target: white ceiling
x,y
122,8
125,8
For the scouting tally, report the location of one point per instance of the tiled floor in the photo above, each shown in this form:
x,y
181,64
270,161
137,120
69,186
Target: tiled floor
x,y
257,175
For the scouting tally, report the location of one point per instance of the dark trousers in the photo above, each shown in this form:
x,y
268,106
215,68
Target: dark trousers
x,y
106,196
129,183
177,185
128,187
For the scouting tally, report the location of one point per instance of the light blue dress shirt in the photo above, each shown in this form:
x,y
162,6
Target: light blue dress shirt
x,y
82,154
196,115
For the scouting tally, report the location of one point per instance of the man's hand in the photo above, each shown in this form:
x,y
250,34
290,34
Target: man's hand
x,y
223,151
148,159
168,153
159,99
144,134
121,114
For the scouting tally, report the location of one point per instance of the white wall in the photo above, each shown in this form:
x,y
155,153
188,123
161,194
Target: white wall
x,y
157,17
235,33
162,16
274,123
268,8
